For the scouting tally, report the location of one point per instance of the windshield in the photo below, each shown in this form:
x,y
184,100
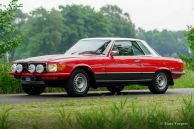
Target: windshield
x,y
92,46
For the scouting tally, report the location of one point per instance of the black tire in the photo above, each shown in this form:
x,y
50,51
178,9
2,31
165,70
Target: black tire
x,y
115,89
76,88
159,83
33,89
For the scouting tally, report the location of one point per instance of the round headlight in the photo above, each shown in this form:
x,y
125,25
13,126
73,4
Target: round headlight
x,y
31,68
52,67
13,67
19,68
39,68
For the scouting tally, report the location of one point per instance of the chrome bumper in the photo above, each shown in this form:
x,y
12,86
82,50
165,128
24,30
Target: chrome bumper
x,y
178,73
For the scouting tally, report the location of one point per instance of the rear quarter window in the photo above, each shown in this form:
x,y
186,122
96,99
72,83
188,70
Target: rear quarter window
x,y
145,50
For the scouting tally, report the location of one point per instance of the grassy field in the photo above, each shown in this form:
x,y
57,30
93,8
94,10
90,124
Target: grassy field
x,y
187,81
102,113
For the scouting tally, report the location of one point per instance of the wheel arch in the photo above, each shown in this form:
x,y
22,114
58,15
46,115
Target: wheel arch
x,y
171,81
89,72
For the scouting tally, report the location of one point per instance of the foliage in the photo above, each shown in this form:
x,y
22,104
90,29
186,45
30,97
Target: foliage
x,y
186,81
4,115
82,22
8,84
8,39
121,24
43,34
166,43
188,110
190,38
189,61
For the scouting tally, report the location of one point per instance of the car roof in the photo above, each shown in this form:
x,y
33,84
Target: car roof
x,y
112,38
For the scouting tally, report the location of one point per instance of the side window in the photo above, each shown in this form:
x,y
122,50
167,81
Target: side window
x,y
124,48
130,48
137,49
146,51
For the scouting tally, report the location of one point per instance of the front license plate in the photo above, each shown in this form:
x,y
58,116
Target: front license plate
x,y
28,79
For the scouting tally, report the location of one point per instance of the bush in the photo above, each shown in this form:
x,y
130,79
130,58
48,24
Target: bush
x,y
189,61
8,84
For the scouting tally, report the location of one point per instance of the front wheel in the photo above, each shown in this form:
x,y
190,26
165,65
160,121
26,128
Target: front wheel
x,y
159,83
78,83
33,89
115,89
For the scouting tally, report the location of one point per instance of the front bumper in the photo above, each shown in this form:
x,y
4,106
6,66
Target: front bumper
x,y
42,76
176,75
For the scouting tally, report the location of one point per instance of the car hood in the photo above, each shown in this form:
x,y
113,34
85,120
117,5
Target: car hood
x,y
52,58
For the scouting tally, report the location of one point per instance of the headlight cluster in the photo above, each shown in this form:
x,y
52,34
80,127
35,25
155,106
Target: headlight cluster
x,y
56,67
52,67
35,68
17,68
38,68
13,68
31,68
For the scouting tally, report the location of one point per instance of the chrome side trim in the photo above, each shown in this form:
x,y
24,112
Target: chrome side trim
x,y
143,80
119,72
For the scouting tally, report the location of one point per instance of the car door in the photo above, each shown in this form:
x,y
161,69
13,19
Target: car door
x,y
149,63
126,65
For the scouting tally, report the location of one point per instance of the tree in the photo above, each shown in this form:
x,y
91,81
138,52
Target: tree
x,y
51,32
8,39
20,20
82,22
55,31
190,38
166,43
121,24
42,32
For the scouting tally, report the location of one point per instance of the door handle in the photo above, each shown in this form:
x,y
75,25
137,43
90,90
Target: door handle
x,y
137,61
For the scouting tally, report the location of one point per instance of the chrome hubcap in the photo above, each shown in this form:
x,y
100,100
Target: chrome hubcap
x,y
161,80
80,82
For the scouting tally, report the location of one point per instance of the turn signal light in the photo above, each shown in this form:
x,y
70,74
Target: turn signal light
x,y
61,67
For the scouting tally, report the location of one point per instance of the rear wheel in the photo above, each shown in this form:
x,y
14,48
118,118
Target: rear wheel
x,y
159,83
33,89
78,83
115,89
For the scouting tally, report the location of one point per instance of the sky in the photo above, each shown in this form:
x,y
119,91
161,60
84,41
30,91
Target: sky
x,y
147,14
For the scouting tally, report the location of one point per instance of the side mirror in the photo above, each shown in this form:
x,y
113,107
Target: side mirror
x,y
114,53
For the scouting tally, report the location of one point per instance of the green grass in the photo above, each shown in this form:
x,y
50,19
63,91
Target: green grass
x,y
186,81
4,124
101,113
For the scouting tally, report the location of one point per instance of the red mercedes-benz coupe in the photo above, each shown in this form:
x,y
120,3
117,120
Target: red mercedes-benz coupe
x,y
99,62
